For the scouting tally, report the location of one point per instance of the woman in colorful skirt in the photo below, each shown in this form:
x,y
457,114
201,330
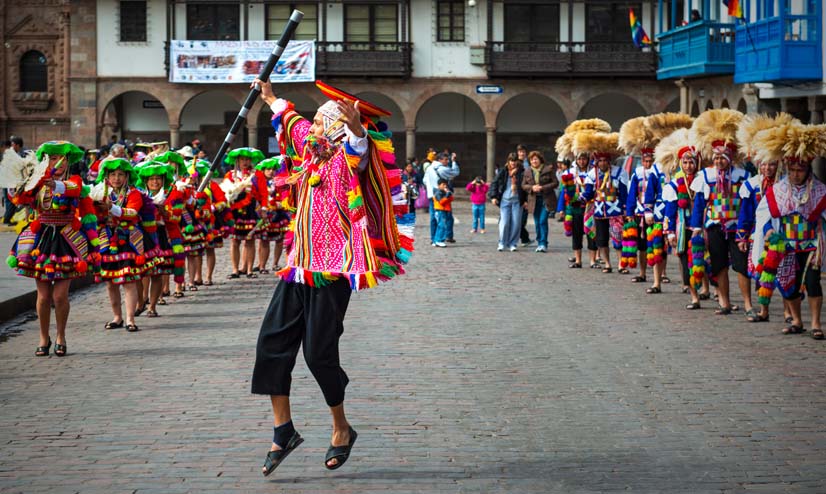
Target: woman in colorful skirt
x,y
246,190
193,231
59,243
162,154
277,219
126,220
157,179
221,220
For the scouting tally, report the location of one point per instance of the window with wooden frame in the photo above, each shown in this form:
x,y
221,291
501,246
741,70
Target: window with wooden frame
x,y
608,22
451,20
371,26
213,21
132,21
34,72
279,13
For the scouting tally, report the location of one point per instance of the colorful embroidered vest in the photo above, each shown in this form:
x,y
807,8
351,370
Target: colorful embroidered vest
x,y
606,197
723,208
801,235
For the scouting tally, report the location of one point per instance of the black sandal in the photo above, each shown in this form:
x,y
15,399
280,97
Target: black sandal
x,y
274,458
793,329
608,270
693,306
132,328
234,276
60,350
754,316
575,265
340,453
666,279
264,271
178,294
624,271
208,283
192,288
705,296
113,325
653,290
817,334
595,265
151,313
723,311
572,259
162,301
140,310
638,279
43,351
252,275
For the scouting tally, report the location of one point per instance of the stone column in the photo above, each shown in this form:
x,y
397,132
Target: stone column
x,y
252,135
816,106
174,135
81,31
684,99
410,141
751,97
490,160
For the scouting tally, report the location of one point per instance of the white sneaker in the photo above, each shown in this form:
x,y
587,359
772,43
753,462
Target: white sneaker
x,y
473,231
500,248
512,249
541,248
440,244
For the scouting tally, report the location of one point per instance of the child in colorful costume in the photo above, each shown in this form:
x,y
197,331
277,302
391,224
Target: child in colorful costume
x,y
346,237
221,224
160,152
790,222
60,242
246,191
196,222
127,230
717,202
277,218
157,180
606,186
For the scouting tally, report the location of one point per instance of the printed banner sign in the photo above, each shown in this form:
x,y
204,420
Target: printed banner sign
x,y
214,62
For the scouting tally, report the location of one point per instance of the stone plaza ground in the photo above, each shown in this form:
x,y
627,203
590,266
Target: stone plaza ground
x,y
477,371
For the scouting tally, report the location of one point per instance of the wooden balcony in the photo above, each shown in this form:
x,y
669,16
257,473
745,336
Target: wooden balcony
x,y
569,59
346,59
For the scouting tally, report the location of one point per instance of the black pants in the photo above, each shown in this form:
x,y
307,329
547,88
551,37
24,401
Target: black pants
x,y
300,314
603,228
722,249
812,281
578,230
642,238
524,237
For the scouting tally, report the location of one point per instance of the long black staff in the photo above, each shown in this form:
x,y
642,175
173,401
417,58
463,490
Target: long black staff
x,y
280,45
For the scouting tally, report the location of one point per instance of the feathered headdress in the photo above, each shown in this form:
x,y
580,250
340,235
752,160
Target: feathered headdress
x,y
753,123
670,149
635,137
600,144
594,124
661,125
791,143
715,132
563,146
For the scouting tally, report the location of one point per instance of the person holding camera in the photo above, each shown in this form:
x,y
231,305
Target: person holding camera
x,y
478,196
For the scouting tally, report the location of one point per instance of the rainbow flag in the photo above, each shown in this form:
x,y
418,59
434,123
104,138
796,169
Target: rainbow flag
x,y
637,32
735,8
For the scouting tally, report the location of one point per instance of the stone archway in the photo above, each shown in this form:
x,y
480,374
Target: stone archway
x,y
207,116
456,122
615,108
133,116
724,103
264,138
709,105
532,119
695,109
742,107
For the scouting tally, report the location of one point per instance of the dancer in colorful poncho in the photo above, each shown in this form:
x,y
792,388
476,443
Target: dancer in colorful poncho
x,y
60,242
127,231
790,222
346,237
246,191
277,219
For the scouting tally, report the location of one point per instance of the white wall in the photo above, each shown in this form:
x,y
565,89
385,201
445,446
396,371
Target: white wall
x,y
136,118
257,21
116,59
444,59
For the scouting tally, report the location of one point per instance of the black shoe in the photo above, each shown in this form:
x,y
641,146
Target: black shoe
x,y
451,241
340,453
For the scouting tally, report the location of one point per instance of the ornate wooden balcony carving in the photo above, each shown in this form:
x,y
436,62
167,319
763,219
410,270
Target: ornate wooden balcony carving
x,y
569,59
347,59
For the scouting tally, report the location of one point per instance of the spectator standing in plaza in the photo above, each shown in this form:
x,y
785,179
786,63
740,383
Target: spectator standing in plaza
x,y
441,168
442,203
410,186
478,197
507,193
524,236
562,166
539,183
10,208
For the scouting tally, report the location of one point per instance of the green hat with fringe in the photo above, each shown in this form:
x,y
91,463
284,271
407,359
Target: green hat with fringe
x,y
273,163
173,158
154,168
255,155
109,165
201,167
72,153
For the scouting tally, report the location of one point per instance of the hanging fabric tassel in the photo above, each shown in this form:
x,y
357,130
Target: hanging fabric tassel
x,y
654,236
628,258
767,267
698,260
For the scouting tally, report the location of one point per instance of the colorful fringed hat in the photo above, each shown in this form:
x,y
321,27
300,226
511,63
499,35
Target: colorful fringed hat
x,y
366,108
635,138
109,165
601,145
72,153
153,168
273,163
715,133
791,143
253,154
171,158
753,123
671,149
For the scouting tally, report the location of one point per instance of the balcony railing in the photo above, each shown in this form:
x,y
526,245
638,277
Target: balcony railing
x,y
569,59
348,59
698,49
781,48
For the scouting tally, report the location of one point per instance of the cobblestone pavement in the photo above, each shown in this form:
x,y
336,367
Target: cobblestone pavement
x,y
476,372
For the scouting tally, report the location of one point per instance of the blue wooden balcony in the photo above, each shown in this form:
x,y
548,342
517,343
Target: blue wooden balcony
x,y
701,48
783,47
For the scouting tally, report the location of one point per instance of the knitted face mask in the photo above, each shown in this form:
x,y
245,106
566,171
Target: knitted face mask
x,y
331,118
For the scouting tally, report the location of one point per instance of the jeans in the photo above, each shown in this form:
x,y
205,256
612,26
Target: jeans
x,y
510,222
441,226
433,222
478,216
449,225
540,220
